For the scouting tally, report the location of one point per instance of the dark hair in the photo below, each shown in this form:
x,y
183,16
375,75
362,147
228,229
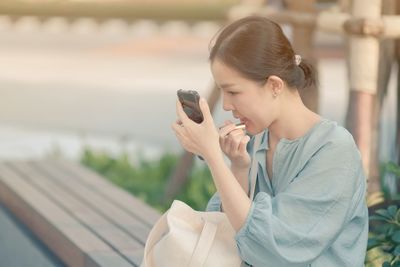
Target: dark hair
x,y
257,48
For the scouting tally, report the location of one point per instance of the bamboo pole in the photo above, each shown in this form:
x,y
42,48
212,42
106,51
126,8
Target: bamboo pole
x,y
364,59
344,5
387,26
160,10
386,60
280,16
397,144
302,40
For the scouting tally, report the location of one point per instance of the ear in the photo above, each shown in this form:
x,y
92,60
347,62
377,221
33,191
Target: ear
x,y
275,84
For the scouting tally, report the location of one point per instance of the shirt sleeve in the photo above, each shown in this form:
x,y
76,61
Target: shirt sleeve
x,y
214,204
297,225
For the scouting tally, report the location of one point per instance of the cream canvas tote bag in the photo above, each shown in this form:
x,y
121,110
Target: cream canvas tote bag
x,y
183,237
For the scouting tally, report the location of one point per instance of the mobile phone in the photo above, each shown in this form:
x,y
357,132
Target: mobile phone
x,y
190,103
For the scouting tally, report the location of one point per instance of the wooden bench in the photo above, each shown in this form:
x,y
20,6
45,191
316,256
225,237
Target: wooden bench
x,y
80,216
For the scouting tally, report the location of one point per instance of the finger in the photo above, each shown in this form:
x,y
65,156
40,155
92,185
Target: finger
x,y
227,122
176,127
224,131
228,145
181,113
223,143
237,132
184,141
235,143
205,109
243,144
179,129
180,133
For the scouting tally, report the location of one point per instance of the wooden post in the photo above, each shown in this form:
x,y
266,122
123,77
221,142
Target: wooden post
x,y
385,67
386,57
344,5
253,2
303,45
364,58
398,103
181,173
397,51
397,133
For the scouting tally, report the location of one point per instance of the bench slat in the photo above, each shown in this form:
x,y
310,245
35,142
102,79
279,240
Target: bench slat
x,y
97,202
54,226
134,206
94,222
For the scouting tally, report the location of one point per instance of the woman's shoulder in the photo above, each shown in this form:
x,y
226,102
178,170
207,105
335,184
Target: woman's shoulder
x,y
331,149
324,134
330,132
329,135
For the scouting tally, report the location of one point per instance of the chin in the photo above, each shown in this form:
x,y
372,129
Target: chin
x,y
253,131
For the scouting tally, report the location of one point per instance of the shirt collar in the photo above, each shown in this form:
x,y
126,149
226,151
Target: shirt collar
x,y
264,141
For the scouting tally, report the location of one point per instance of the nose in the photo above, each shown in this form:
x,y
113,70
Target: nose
x,y
226,104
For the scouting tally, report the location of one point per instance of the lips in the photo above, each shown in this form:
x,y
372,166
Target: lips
x,y
242,119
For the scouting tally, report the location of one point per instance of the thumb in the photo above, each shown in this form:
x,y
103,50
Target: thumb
x,y
243,144
205,109
227,122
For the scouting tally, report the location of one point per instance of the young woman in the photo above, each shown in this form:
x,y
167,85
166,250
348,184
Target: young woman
x,y
309,207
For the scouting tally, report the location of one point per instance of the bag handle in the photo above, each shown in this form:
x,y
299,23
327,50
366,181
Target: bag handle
x,y
254,167
204,244
155,235
202,248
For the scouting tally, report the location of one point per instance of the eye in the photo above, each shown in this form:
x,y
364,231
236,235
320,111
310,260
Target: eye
x,y
232,93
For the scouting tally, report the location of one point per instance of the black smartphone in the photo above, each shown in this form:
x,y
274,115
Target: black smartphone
x,y
190,103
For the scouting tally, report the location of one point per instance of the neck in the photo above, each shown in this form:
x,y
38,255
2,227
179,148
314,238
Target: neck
x,y
294,120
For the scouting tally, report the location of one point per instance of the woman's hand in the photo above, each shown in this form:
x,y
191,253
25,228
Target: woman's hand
x,y
233,143
198,138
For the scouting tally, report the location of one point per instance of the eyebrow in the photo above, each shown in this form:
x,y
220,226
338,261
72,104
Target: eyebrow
x,y
226,85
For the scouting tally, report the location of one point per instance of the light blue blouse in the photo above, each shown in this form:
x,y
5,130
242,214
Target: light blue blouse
x,y
313,212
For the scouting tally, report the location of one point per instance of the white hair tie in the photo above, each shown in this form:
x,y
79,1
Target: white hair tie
x,y
297,59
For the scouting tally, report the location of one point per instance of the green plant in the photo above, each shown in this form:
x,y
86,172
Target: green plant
x,y
147,179
385,236
390,174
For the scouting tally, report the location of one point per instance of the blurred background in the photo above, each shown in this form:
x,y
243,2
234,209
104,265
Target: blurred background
x,y
104,74
95,81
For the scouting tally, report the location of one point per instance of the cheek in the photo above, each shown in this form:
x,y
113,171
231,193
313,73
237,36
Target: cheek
x,y
260,117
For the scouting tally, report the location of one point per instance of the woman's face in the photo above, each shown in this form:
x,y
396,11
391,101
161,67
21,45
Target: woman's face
x,y
249,101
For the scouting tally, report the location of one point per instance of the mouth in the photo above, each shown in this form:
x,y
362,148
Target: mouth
x,y
241,119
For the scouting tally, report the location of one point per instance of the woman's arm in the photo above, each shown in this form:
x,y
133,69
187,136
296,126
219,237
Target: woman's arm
x,y
234,198
242,176
233,143
203,139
